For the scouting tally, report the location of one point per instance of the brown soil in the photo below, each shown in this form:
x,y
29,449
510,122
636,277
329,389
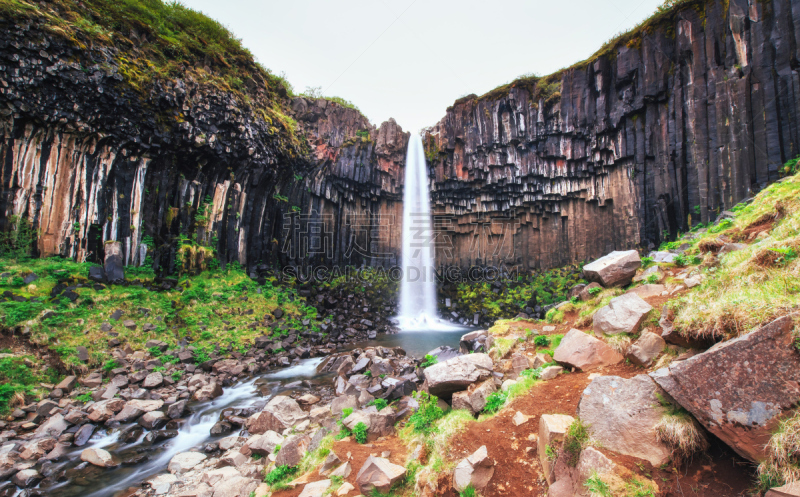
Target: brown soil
x,y
349,450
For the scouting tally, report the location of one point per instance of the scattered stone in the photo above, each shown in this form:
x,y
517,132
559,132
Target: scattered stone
x,y
645,350
519,419
624,314
208,392
280,413
185,461
616,268
552,428
153,380
378,473
550,372
475,470
457,374
25,479
585,352
739,389
316,489
474,398
622,415
98,457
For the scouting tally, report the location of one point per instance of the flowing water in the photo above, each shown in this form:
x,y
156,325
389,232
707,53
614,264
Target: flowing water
x,y
89,481
418,287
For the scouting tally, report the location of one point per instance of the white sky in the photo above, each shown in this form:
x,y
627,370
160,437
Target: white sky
x,y
411,59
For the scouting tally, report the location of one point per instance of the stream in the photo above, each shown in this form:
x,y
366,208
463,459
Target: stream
x,y
144,461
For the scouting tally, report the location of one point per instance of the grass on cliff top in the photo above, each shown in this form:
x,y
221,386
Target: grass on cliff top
x,y
752,286
548,87
161,41
213,308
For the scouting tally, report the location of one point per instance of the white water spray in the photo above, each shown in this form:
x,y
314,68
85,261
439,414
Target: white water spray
x,y
418,288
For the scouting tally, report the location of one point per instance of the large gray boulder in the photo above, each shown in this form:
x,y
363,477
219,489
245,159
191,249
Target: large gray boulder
x,y
379,474
585,352
739,390
622,415
616,268
280,413
457,374
624,314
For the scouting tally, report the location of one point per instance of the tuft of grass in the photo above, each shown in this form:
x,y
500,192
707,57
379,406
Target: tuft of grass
x,y
781,465
575,440
468,492
554,316
596,486
495,401
360,432
681,433
429,361
278,476
502,346
423,419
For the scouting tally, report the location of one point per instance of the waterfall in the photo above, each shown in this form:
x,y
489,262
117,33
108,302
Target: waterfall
x,y
418,287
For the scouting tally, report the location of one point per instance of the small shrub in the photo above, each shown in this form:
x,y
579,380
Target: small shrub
x,y
429,360
542,341
379,404
360,432
468,492
494,402
651,279
551,453
595,290
346,412
279,474
596,486
554,316
86,397
574,441
110,365
176,375
422,421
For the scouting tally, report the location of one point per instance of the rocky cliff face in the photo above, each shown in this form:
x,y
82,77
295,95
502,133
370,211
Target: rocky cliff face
x,y
664,130
87,159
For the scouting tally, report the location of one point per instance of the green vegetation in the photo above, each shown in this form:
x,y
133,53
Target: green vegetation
x,y
752,286
537,288
207,308
360,432
597,487
781,465
468,492
161,41
429,360
423,419
20,376
379,404
18,242
279,476
574,441
541,341
495,401
554,316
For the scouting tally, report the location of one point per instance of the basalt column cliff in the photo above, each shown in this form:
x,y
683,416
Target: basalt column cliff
x,y
664,128
185,167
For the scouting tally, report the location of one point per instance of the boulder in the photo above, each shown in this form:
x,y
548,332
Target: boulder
x,y
67,384
343,471
457,374
585,295
624,314
622,415
185,461
153,380
113,264
98,457
37,448
135,408
748,385
329,464
474,398
280,413
474,341
552,428
616,268
343,402
25,479
645,350
153,420
53,427
176,410
100,412
265,443
378,473
788,490
238,486
316,489
570,482
648,290
550,372
475,470
208,392
585,352
662,257
292,450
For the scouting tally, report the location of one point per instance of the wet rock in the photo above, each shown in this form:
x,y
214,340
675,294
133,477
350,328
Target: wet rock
x,y
159,435
748,385
475,470
208,392
585,352
37,448
616,268
153,420
98,457
624,314
457,374
176,410
53,427
622,415
84,434
378,473
646,349
26,478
